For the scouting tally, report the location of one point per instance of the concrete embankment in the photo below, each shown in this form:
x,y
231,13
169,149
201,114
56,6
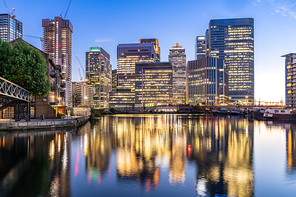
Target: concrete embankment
x,y
43,124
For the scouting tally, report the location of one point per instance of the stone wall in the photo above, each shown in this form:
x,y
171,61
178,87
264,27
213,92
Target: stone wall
x,y
43,108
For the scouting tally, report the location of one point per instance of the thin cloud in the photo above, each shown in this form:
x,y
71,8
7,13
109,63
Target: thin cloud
x,y
104,40
283,7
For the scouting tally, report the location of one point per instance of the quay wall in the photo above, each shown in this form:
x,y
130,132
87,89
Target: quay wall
x,y
43,124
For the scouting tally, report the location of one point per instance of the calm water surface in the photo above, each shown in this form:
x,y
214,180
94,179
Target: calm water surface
x,y
153,155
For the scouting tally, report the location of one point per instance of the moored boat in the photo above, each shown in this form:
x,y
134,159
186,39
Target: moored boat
x,y
278,114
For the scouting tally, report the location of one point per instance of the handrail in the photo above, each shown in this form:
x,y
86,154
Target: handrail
x,y
13,91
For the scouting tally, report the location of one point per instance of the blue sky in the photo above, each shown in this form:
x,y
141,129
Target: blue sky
x,y
112,22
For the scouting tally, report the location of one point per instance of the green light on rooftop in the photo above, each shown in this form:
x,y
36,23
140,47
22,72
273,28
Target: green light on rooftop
x,y
94,49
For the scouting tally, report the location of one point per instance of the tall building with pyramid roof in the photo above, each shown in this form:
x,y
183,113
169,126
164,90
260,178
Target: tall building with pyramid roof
x,y
177,58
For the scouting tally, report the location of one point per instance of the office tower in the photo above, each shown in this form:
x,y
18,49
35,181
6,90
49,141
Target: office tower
x,y
232,40
114,80
177,58
154,84
154,41
223,83
127,56
82,94
10,28
200,47
290,64
122,98
99,75
57,36
203,81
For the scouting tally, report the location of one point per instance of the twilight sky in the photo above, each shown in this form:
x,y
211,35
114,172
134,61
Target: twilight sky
x,y
111,22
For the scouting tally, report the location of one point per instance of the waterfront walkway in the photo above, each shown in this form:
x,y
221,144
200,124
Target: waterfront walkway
x,y
11,125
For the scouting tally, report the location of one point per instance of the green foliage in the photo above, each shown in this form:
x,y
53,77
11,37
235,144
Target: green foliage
x,y
4,56
25,67
112,110
95,113
59,115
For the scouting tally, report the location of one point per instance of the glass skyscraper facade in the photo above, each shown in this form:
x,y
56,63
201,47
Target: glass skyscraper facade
x,y
232,40
154,84
99,75
57,36
203,81
154,41
290,82
200,47
114,80
177,58
127,56
10,28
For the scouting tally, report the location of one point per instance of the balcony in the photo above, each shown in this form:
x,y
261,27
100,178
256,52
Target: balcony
x,y
52,73
63,84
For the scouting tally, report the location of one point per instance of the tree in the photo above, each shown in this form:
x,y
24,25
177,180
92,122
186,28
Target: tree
x,y
4,56
27,68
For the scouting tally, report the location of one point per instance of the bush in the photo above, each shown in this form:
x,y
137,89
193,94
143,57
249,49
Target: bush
x,y
59,115
112,110
95,113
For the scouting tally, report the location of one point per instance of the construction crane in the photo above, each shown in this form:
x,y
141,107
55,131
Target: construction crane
x,y
41,39
13,9
66,10
81,78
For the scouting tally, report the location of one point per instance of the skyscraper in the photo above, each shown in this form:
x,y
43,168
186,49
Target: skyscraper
x,y
154,41
10,28
177,58
203,81
114,80
290,64
57,35
99,75
232,40
200,47
154,84
127,56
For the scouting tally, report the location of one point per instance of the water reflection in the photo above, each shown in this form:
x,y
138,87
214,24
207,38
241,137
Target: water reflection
x,y
155,155
35,164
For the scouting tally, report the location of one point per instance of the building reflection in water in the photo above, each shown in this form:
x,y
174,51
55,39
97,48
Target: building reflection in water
x,y
291,150
145,143
98,149
223,150
35,164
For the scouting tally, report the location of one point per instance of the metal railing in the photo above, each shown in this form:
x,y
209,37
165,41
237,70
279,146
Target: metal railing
x,y
13,91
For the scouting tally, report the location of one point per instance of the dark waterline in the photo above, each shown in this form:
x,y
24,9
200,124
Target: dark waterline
x,y
153,155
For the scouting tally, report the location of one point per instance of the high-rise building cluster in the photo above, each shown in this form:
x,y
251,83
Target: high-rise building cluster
x,y
222,72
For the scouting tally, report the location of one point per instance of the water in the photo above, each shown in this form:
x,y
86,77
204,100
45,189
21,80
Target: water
x,y
152,155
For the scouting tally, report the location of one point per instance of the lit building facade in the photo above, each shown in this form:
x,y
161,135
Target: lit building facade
x,y
127,56
177,58
114,80
203,81
290,67
232,40
200,47
122,99
99,75
57,36
10,28
154,84
154,41
82,94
